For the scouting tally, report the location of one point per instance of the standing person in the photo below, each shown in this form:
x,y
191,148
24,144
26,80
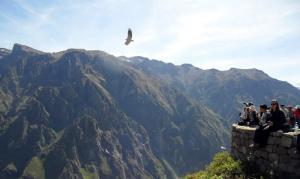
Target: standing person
x,y
284,110
290,116
297,115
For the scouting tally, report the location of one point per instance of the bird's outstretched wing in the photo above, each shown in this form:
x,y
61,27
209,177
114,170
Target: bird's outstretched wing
x,y
129,37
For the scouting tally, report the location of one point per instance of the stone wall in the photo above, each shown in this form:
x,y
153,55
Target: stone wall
x,y
279,157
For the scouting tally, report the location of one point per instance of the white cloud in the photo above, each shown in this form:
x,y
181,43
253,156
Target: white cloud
x,y
208,34
218,25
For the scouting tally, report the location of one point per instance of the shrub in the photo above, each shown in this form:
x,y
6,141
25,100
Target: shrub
x,y
223,166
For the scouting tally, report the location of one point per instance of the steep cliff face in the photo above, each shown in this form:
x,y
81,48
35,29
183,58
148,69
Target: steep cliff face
x,y
82,113
278,159
77,113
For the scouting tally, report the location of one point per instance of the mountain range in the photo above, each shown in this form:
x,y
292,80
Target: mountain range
x,y
89,114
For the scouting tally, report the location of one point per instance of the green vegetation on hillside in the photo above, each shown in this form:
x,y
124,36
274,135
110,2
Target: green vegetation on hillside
x,y
35,169
105,168
89,175
224,166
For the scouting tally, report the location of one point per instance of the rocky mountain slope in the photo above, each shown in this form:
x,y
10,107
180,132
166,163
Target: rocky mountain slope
x,y
222,91
88,114
78,114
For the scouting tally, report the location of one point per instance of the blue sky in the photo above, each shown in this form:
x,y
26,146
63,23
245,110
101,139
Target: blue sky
x,y
206,33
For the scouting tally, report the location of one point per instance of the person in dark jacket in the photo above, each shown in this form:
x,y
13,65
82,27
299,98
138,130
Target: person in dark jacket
x,y
275,121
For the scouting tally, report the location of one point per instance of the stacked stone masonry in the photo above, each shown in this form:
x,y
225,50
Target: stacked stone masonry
x,y
279,156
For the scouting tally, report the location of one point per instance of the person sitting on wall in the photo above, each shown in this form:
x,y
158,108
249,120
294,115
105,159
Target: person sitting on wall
x,y
274,122
244,117
263,115
253,116
249,117
277,119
